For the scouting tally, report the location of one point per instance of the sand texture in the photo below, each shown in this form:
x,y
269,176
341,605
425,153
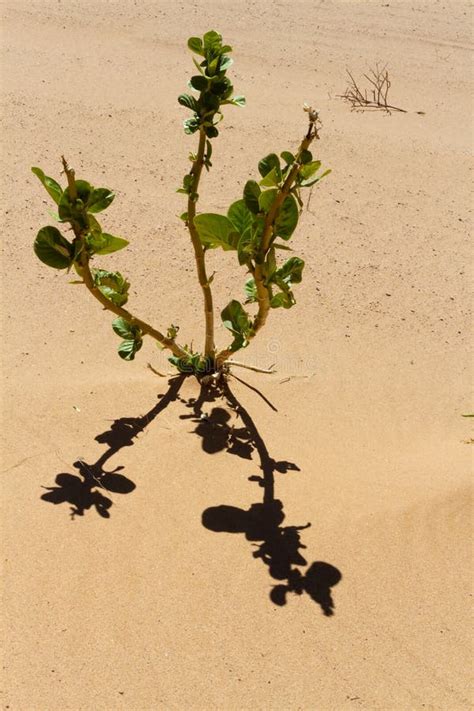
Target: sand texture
x,y
156,551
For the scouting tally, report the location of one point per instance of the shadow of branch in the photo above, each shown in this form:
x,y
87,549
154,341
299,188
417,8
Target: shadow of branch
x,y
278,546
88,488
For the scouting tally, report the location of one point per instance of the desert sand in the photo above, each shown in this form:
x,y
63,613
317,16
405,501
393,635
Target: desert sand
x,y
148,595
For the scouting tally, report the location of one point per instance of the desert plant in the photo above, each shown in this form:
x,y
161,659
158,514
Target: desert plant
x,y
376,96
255,227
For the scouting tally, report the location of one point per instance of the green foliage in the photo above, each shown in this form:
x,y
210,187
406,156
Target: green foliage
x,y
257,226
132,336
290,273
268,164
214,87
104,243
236,319
52,187
112,285
251,196
53,249
216,231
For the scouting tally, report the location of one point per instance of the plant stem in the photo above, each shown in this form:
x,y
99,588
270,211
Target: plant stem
x,y
263,296
95,291
119,311
196,170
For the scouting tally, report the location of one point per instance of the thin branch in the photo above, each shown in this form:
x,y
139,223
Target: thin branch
x,y
263,296
88,279
196,170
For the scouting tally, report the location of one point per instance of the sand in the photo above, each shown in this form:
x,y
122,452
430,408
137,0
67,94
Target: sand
x,y
149,595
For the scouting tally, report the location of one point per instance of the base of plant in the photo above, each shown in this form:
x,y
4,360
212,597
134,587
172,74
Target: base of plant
x,y
207,370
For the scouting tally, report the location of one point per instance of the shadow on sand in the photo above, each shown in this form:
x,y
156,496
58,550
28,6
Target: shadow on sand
x,y
89,487
278,546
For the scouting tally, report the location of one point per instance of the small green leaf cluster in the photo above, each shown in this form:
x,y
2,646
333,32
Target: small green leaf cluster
x,y
132,336
79,210
193,363
77,205
214,87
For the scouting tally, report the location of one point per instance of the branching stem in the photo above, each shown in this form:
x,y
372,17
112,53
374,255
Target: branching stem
x,y
106,303
263,295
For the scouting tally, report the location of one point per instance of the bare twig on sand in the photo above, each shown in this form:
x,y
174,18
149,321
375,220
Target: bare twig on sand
x,y
375,96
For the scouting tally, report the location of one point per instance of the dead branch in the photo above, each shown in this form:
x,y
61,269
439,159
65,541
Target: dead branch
x,y
373,97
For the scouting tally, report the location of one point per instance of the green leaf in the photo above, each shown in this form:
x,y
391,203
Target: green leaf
x,y
283,298
74,210
188,101
225,63
211,131
219,86
271,178
267,199
184,365
268,163
172,331
212,66
188,182
191,125
53,249
212,41
270,265
215,231
240,216
195,45
100,199
52,187
128,348
236,319
112,285
306,156
199,82
238,101
94,226
313,181
288,157
250,289
309,169
287,218
83,190
291,272
124,329
105,243
251,194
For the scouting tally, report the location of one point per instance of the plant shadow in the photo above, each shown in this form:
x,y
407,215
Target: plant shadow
x,y
278,546
88,488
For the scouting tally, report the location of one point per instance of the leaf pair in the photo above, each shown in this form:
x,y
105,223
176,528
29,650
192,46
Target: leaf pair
x,y
91,199
132,336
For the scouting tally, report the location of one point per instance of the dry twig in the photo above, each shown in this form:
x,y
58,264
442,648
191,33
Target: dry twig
x,y
375,96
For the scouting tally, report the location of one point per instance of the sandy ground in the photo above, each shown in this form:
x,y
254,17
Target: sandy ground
x,y
163,604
